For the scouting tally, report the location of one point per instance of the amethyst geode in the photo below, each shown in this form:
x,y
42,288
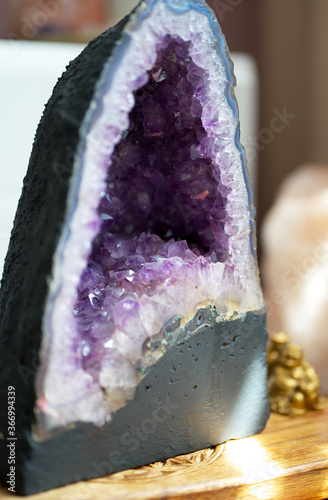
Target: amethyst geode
x,y
131,285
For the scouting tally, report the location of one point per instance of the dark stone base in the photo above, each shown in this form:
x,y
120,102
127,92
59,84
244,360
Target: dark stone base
x,y
205,390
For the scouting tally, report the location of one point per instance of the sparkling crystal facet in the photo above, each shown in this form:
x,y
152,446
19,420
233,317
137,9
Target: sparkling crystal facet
x,y
160,224
171,211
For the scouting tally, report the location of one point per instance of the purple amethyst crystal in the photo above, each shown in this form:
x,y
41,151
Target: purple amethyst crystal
x,y
161,212
130,287
159,223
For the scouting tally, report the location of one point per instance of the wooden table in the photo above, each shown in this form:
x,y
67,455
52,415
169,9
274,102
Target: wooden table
x,y
288,461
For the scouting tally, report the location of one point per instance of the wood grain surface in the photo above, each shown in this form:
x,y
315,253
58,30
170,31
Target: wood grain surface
x,y
288,460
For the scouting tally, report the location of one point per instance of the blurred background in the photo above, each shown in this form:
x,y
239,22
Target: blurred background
x,y
288,42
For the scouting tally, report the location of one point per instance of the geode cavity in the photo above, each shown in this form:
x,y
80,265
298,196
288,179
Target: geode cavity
x,y
130,287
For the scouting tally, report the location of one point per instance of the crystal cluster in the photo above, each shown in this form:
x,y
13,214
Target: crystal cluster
x,y
159,221
163,212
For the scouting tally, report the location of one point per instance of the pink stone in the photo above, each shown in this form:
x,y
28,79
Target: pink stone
x,y
295,267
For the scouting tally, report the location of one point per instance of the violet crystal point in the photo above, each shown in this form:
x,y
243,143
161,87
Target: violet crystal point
x,y
132,319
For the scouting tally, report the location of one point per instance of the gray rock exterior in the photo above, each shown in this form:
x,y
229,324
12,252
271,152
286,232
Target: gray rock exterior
x,y
209,388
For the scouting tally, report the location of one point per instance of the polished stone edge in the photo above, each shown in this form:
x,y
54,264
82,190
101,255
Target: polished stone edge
x,y
197,395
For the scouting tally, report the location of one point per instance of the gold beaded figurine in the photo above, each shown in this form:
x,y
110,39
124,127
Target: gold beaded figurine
x,y
293,382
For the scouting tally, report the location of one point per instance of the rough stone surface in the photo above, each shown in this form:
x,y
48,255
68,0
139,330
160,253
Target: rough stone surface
x,y
33,240
42,352
200,393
